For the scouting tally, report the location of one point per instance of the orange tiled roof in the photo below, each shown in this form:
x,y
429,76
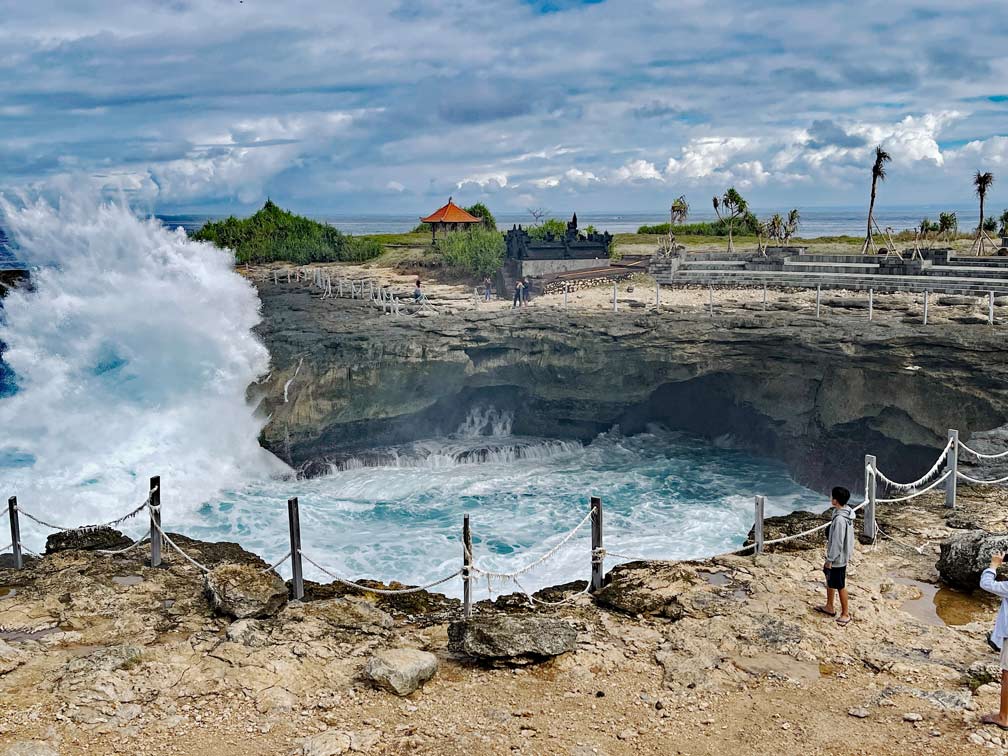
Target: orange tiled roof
x,y
450,213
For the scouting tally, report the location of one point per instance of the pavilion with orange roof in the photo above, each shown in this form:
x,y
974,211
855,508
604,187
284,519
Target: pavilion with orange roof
x,y
450,217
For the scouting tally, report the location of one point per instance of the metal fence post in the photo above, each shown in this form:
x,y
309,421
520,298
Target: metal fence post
x,y
294,523
566,289
990,308
871,304
818,300
154,503
466,568
952,465
15,532
871,491
614,306
711,291
657,294
764,297
758,526
926,297
596,557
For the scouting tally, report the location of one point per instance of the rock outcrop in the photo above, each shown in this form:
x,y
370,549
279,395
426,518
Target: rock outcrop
x,y
88,539
242,591
816,393
512,640
401,670
965,555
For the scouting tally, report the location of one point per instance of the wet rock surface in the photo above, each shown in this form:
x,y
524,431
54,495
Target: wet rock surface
x,y
243,591
89,539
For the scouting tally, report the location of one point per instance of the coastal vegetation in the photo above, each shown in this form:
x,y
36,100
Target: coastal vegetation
x,y
273,235
479,251
730,208
747,226
878,174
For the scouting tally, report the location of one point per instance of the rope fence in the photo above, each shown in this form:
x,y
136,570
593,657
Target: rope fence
x,y
470,571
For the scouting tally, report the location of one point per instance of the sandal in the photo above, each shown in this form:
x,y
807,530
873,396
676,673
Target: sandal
x,y
845,622
824,610
992,719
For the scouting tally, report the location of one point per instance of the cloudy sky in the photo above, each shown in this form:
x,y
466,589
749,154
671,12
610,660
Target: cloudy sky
x,y
392,105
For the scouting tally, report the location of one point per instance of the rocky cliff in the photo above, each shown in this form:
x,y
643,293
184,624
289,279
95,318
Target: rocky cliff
x,y
816,393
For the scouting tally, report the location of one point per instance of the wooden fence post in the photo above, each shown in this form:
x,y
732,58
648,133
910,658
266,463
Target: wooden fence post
x,y
15,532
466,568
871,490
294,522
818,299
952,465
758,526
871,304
926,296
596,558
154,502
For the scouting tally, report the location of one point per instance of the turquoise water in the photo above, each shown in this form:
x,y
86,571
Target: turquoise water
x,y
665,495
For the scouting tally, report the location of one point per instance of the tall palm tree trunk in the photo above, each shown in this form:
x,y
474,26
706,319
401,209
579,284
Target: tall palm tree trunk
x,y
871,211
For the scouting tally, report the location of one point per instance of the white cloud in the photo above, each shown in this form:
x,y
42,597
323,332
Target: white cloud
x,y
484,181
708,156
395,186
637,170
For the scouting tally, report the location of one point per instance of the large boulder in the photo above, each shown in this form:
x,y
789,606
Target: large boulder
x,y
328,743
647,588
965,555
87,539
243,591
514,640
401,670
350,613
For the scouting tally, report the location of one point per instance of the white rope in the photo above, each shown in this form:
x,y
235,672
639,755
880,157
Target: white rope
x,y
4,512
921,480
170,542
382,591
8,546
532,565
113,552
563,602
79,528
914,495
283,559
964,476
26,550
981,455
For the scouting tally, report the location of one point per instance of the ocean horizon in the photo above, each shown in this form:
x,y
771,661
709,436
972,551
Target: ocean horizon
x,y
815,222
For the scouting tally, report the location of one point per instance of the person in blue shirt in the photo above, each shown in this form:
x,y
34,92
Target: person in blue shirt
x,y
990,583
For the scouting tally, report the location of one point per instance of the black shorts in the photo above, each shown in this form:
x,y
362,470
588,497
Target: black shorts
x,y
836,577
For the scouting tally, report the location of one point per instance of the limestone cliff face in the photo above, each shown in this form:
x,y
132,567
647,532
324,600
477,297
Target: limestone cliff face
x,y
818,394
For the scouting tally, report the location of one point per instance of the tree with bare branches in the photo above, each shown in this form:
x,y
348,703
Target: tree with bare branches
x,y
537,213
878,174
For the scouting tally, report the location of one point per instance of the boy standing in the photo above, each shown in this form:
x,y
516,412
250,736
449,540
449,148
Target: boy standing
x,y
990,583
839,545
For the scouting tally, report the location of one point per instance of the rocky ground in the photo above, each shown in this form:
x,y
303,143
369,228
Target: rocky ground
x,y
106,655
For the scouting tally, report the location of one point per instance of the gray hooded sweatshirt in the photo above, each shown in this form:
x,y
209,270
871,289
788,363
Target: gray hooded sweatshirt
x,y
841,537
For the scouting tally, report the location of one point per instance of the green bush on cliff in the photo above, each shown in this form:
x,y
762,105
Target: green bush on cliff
x,y
748,224
273,234
477,250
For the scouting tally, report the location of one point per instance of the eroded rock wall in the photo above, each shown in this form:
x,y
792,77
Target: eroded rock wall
x,y
817,394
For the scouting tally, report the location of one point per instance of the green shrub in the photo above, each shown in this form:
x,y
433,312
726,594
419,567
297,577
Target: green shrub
x,y
273,234
747,224
550,225
479,251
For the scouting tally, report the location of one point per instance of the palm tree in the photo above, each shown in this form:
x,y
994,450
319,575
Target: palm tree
x,y
734,207
678,213
878,173
1004,224
981,183
790,226
948,224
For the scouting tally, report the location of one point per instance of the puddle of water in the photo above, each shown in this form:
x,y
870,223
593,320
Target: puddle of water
x,y
16,636
723,580
947,607
7,591
127,579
